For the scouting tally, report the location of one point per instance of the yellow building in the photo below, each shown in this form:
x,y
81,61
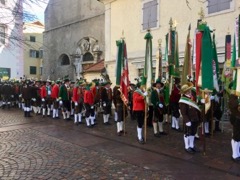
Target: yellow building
x,y
136,16
33,53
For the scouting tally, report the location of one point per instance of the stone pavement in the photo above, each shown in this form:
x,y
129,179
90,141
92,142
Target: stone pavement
x,y
37,148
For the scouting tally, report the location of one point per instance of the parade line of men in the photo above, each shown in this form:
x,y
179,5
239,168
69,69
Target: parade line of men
x,y
82,99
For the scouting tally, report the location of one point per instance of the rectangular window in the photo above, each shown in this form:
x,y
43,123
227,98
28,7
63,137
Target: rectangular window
x,y
2,34
32,39
40,53
41,70
150,14
33,70
33,53
215,6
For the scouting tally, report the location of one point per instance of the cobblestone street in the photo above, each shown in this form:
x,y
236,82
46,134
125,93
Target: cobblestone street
x,y
43,148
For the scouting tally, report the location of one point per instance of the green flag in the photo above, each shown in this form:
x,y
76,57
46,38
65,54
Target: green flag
x,y
176,57
119,61
148,74
215,66
207,57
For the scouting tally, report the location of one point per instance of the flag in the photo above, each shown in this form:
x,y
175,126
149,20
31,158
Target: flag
x,y
176,72
119,60
148,73
166,56
171,51
207,57
187,65
227,72
215,65
124,84
236,60
198,42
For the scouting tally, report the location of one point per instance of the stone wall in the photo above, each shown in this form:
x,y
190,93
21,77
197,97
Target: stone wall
x,y
66,24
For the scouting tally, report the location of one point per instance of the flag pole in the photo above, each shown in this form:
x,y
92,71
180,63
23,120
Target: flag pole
x,y
147,75
124,117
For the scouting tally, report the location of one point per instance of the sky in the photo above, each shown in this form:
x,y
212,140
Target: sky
x,y
37,10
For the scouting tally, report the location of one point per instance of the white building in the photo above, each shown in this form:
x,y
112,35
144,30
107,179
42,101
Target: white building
x,y
11,49
136,16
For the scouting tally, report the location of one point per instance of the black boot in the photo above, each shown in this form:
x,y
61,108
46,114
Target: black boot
x,y
217,128
25,114
28,114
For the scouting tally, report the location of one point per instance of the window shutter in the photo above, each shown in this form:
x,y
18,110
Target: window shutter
x,y
150,18
218,5
146,14
153,11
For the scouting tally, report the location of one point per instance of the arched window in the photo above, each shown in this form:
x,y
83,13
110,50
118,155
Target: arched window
x,y
64,60
88,57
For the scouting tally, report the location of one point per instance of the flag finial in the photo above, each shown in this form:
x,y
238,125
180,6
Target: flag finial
x,y
159,43
189,27
171,23
122,35
228,31
202,16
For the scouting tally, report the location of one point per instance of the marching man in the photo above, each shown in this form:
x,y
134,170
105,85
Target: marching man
x,y
106,95
157,99
191,116
89,105
78,103
64,97
139,97
54,95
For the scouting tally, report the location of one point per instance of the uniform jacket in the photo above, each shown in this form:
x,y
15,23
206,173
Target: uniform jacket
x,y
55,91
175,94
138,102
157,98
63,93
106,96
189,113
88,97
235,117
43,92
27,92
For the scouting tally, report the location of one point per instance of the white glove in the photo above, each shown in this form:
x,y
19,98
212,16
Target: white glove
x,y
160,105
145,93
212,97
76,104
12,96
92,107
60,102
203,101
20,95
34,99
57,99
43,99
104,105
188,124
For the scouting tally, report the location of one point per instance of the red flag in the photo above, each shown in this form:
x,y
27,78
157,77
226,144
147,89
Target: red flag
x,y
198,57
124,84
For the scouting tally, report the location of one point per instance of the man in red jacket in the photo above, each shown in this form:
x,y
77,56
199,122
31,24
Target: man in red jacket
x,y
77,99
89,105
139,110
54,95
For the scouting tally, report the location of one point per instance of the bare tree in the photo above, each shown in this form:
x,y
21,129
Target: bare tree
x,y
13,14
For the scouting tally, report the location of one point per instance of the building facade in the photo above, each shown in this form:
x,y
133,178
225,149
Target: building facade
x,y
136,16
33,50
11,36
73,37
